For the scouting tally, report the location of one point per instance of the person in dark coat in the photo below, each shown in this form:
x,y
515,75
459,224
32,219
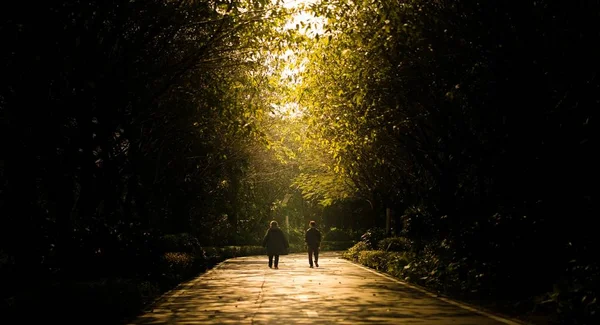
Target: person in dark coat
x,y
313,243
276,244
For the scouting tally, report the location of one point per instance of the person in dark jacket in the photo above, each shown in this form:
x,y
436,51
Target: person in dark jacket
x,y
276,244
313,243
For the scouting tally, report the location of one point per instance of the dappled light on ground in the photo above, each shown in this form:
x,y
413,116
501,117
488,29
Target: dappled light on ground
x,y
245,291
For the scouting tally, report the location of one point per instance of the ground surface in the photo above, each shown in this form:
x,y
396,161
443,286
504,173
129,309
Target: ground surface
x,y
245,291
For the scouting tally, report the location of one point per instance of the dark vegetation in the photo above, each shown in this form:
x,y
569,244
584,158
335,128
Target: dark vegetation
x,y
128,153
481,139
119,129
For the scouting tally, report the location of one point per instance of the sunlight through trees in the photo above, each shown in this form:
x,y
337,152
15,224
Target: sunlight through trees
x,y
137,134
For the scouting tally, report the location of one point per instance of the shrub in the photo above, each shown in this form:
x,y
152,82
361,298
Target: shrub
x,y
397,262
182,242
220,253
238,251
297,248
394,244
178,266
373,259
251,250
355,234
372,236
179,259
335,234
296,236
336,245
575,297
352,253
393,263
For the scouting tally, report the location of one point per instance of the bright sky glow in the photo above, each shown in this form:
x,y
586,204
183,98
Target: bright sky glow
x,y
289,4
288,110
306,24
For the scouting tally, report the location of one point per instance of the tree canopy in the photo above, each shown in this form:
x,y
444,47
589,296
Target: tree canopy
x,y
124,121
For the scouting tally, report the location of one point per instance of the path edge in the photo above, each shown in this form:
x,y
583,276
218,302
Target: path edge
x,y
476,309
171,293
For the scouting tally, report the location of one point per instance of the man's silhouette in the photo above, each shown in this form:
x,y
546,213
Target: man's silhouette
x,y
313,242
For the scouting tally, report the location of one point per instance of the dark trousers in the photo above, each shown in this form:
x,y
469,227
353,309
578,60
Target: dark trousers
x,y
313,250
271,260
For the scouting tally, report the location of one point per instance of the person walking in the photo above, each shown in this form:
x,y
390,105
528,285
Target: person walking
x,y
276,244
313,243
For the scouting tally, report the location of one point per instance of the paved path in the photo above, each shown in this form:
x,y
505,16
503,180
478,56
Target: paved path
x,y
245,291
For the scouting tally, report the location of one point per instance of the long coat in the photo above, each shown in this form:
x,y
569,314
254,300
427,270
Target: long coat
x,y
275,242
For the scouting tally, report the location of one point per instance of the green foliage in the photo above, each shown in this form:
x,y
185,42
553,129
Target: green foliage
x,y
183,242
225,252
394,244
178,266
415,105
424,268
576,295
296,236
419,113
393,263
355,250
372,236
326,188
297,248
373,259
336,234
337,245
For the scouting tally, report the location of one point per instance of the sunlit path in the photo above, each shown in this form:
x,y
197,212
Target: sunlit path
x,y
245,291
